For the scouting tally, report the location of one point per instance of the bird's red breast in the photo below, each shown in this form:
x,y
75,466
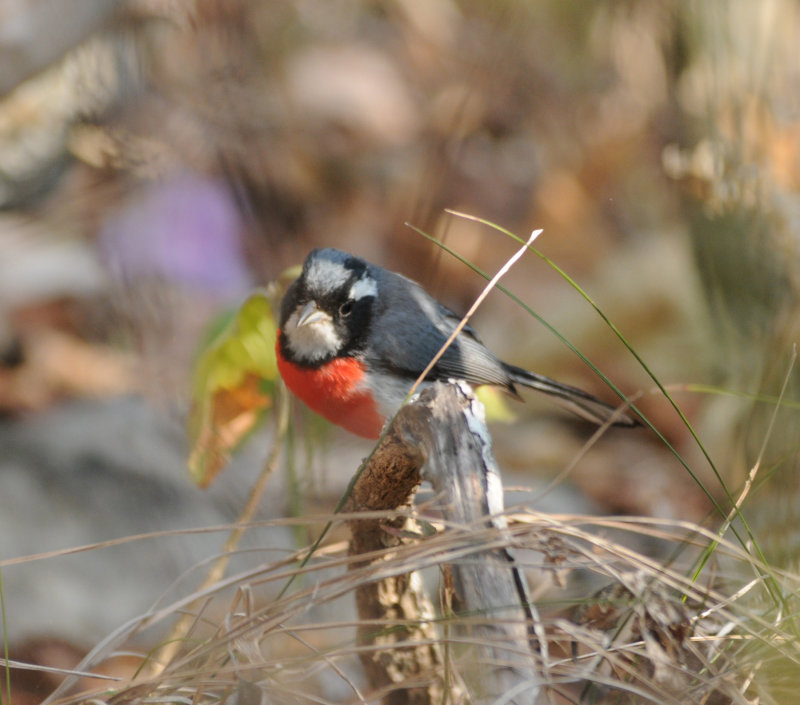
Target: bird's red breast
x,y
334,391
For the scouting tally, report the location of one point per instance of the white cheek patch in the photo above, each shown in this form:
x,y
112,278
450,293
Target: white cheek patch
x,y
366,286
314,341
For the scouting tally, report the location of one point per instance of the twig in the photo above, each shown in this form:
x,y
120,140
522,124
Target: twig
x,y
162,657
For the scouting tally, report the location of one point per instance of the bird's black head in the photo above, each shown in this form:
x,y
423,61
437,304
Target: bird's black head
x,y
327,310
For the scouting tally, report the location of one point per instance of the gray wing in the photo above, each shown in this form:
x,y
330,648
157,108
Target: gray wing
x,y
410,327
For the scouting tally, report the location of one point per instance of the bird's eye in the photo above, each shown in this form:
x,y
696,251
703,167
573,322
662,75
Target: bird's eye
x,y
346,309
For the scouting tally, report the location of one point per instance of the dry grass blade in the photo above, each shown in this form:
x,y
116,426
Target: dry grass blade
x,y
184,625
475,305
647,645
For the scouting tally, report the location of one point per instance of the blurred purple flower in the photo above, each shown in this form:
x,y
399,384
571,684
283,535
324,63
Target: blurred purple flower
x,y
186,230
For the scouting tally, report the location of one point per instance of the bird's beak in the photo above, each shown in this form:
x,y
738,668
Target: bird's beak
x,y
311,314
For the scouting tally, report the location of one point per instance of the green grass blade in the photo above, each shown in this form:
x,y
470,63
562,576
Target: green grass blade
x,y
4,623
699,388
714,502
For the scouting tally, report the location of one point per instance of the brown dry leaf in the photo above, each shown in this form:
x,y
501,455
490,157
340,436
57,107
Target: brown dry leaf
x,y
234,383
234,412
58,365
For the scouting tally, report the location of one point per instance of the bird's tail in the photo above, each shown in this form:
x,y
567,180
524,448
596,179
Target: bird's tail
x,y
575,400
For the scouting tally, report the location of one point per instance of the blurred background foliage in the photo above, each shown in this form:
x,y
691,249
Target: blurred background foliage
x,y
159,159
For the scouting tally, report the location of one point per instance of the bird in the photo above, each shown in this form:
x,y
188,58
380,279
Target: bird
x,y
353,338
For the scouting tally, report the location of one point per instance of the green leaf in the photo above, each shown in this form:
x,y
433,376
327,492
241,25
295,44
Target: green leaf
x,y
233,386
495,403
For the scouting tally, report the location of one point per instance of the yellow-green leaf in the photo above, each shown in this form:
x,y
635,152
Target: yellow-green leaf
x,y
234,384
495,403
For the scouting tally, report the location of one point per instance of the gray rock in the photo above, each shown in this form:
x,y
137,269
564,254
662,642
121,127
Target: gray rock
x,y
90,472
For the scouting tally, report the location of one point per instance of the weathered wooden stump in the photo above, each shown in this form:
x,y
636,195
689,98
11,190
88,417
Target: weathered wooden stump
x,y
441,438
